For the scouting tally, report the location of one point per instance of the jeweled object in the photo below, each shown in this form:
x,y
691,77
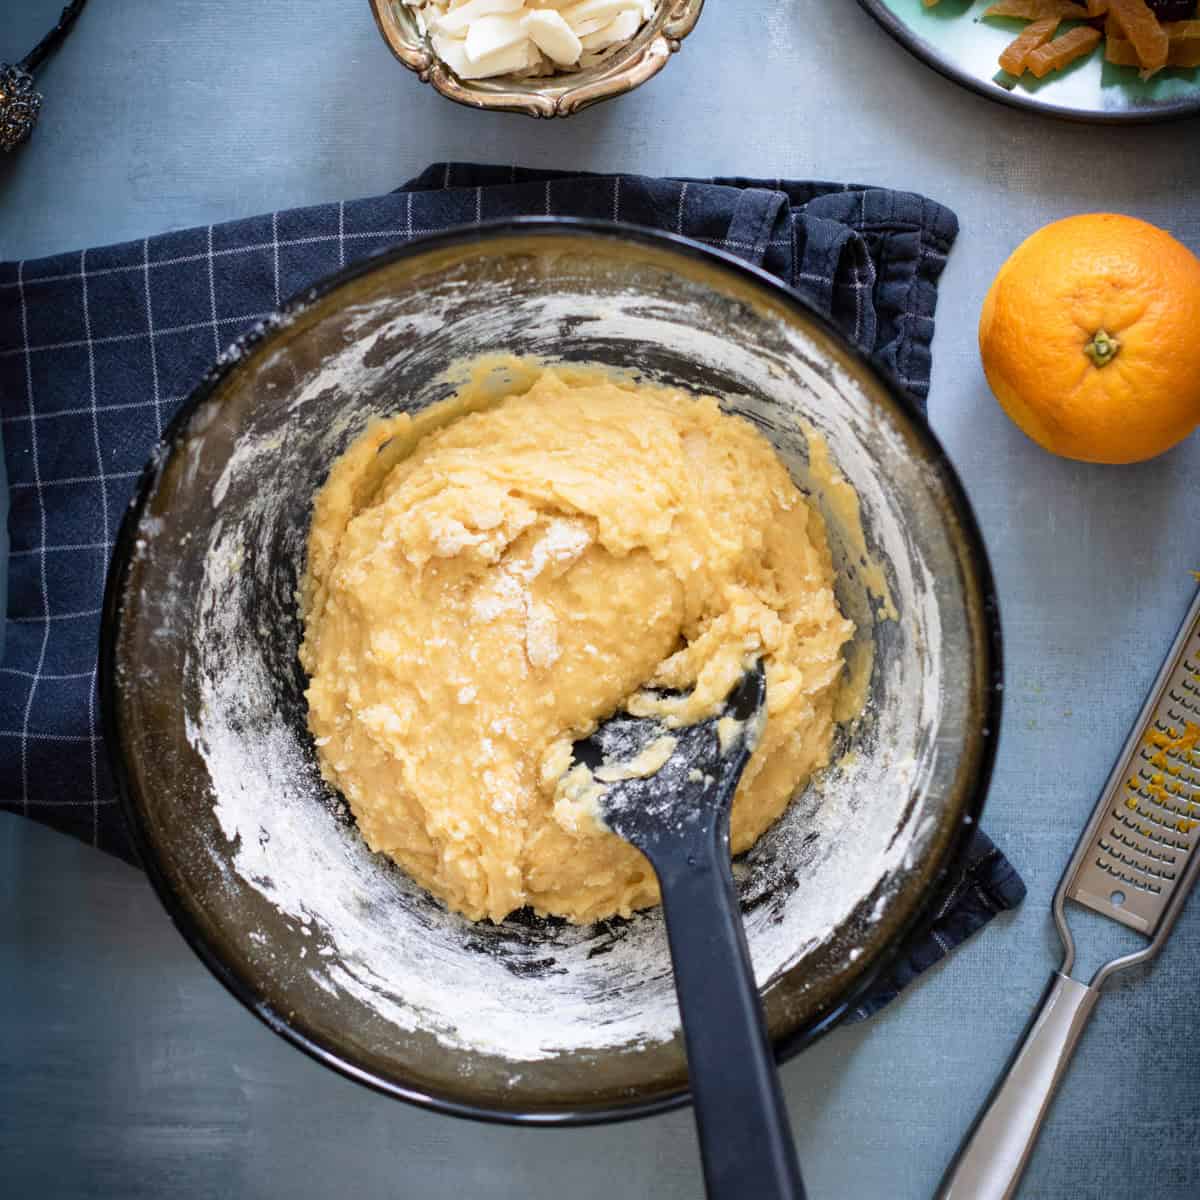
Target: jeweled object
x,y
19,106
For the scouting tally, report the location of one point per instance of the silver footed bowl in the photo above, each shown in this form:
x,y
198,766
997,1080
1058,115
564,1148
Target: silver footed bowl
x,y
557,95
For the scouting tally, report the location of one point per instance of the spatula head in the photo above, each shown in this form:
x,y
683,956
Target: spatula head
x,y
662,786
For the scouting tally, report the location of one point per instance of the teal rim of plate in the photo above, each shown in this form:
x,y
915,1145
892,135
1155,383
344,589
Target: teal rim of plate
x,y
952,38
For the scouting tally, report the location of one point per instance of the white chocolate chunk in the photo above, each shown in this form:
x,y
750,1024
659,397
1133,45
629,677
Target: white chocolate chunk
x,y
620,29
458,19
490,35
588,10
553,36
583,28
453,52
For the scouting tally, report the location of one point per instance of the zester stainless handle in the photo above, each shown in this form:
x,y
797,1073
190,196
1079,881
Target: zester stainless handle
x,y
993,1158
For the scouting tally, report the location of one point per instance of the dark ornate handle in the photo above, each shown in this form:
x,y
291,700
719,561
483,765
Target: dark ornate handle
x,y
53,39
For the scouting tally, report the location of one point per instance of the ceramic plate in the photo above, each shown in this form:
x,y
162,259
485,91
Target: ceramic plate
x,y
953,40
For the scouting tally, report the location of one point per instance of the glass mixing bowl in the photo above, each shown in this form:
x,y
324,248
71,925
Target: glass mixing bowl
x,y
262,867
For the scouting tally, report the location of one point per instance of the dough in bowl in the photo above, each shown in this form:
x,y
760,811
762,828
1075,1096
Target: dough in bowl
x,y
485,587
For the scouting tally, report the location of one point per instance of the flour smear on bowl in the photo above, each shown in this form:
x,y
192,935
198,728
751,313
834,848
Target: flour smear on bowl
x,y
527,991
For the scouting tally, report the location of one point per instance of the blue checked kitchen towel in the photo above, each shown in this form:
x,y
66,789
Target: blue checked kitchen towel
x,y
99,347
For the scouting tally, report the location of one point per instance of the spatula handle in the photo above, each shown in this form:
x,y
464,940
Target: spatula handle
x,y
745,1138
992,1160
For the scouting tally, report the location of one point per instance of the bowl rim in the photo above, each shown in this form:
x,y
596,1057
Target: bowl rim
x,y
240,984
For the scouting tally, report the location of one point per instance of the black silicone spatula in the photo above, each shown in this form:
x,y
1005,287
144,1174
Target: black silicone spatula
x,y
678,816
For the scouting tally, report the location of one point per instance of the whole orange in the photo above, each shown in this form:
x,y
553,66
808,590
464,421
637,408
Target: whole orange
x,y
1090,337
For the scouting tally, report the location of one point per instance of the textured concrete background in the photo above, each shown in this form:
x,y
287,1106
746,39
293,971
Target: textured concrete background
x,y
125,1070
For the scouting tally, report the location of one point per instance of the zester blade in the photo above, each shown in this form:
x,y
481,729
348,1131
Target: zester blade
x,y
1139,854
1135,862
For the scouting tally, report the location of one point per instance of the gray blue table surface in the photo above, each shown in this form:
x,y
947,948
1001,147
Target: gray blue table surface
x,y
126,1071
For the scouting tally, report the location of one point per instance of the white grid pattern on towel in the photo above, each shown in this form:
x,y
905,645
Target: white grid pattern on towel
x,y
108,339
91,355
21,418
64,549
42,484
57,616
275,255
99,546
157,401
45,587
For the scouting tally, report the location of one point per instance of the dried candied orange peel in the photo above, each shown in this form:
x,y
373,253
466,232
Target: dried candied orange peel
x,y
1134,36
1062,51
1134,20
1034,36
1183,51
1038,10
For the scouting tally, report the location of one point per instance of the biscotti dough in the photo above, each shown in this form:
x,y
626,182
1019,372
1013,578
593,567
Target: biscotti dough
x,y
482,590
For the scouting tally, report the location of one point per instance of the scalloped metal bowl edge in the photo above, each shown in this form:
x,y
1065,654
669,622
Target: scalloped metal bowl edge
x,y
552,95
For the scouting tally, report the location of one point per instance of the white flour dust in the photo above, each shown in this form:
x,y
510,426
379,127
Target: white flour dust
x,y
524,993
